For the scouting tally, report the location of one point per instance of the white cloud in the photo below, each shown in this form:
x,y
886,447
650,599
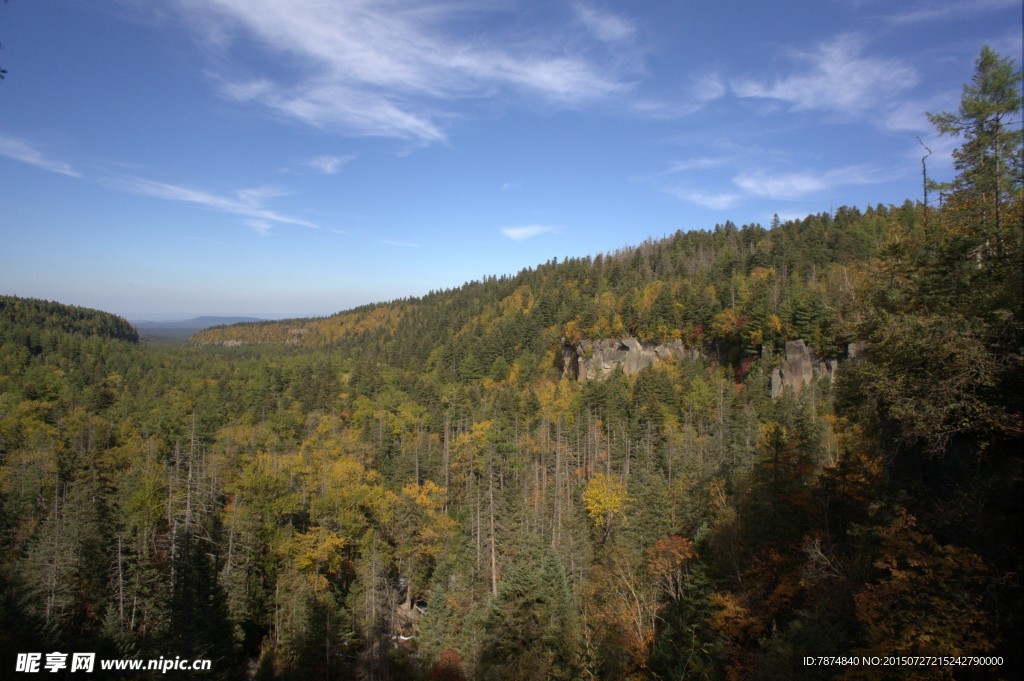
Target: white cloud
x,y
838,78
262,227
769,184
22,151
696,163
247,204
779,186
708,87
795,185
393,68
703,89
706,199
255,196
664,110
604,25
401,244
910,116
328,165
526,231
951,9
336,105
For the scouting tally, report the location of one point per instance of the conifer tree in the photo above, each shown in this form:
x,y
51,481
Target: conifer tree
x,y
989,160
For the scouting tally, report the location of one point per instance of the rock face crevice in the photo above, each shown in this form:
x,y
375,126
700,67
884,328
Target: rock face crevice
x,y
591,360
800,366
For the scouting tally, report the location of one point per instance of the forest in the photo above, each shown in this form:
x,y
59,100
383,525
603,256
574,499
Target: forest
x,y
429,488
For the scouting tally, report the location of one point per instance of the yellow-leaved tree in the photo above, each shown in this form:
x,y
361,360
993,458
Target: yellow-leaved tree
x,y
605,498
422,529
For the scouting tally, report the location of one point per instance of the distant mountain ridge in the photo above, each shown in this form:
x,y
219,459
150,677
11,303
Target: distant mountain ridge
x,y
36,316
734,293
196,323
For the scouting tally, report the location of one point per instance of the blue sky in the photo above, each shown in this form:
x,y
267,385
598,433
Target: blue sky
x,y
161,160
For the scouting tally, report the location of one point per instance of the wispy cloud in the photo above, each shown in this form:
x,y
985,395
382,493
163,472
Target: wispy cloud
x,y
524,232
838,78
679,180
707,199
246,203
394,68
910,115
400,244
261,227
256,196
327,104
707,87
938,11
20,150
328,165
796,185
767,184
704,88
696,163
604,25
660,109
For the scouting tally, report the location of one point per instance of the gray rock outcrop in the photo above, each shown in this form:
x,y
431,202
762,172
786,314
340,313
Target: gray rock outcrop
x,y
592,360
800,367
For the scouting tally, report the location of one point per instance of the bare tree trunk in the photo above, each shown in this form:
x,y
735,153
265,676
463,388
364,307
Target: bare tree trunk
x,y
188,491
542,475
277,612
625,461
478,549
721,425
537,493
557,525
419,438
120,587
608,452
172,520
447,453
494,564
58,522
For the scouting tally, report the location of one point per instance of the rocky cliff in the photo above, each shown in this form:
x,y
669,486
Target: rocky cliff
x,y
591,360
799,368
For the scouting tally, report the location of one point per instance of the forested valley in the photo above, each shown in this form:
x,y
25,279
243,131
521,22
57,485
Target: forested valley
x,y
433,488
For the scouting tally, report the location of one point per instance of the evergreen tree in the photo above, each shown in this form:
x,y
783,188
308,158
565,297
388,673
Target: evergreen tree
x,y
529,630
989,161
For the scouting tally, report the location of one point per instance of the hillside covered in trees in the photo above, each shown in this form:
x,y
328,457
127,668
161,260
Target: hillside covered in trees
x,y
425,489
